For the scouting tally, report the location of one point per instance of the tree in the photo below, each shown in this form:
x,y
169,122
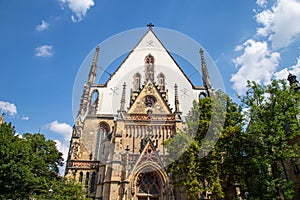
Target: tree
x,y
270,135
213,125
29,168
15,170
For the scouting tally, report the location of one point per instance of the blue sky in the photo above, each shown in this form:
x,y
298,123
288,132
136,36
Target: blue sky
x,y
43,43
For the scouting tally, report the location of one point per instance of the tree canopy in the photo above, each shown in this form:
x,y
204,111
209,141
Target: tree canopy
x,y
212,126
239,151
271,139
29,168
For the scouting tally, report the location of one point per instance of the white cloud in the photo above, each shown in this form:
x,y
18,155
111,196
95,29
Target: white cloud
x,y
78,7
261,2
43,26
279,27
26,118
265,18
7,107
44,51
239,48
281,23
18,135
63,148
283,74
257,63
61,128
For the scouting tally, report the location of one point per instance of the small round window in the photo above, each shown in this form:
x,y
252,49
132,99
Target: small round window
x,y
150,100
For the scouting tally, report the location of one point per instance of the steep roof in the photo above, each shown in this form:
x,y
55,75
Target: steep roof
x,y
150,41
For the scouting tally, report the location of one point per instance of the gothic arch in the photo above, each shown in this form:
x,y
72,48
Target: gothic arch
x,y
149,68
103,136
149,181
80,177
94,100
149,59
161,81
202,95
104,127
137,81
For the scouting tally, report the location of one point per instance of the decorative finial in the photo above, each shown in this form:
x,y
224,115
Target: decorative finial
x,y
177,110
122,107
150,25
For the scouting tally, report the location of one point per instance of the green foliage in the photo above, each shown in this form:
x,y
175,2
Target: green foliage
x,y
29,168
224,145
269,145
15,172
213,123
61,189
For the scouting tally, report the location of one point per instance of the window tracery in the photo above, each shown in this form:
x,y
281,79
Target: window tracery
x,y
148,183
161,81
149,68
136,81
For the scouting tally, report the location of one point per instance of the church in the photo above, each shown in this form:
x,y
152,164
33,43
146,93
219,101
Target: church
x,y
117,147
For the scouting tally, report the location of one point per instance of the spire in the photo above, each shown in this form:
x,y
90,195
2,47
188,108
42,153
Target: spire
x,y
122,107
92,74
177,110
205,76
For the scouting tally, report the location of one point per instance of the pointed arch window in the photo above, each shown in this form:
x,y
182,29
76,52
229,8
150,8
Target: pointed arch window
x,y
136,81
87,178
80,176
149,67
93,180
104,128
148,183
149,59
202,95
161,81
94,102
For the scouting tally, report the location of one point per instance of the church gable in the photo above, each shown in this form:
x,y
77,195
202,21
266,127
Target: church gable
x,y
149,44
149,101
148,155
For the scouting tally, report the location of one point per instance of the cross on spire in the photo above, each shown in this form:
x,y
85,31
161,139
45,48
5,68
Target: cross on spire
x,y
150,25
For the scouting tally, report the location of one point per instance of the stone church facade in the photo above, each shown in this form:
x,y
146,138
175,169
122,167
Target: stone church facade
x,y
117,148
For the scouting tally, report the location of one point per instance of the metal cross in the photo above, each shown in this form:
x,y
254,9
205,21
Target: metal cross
x,y
150,25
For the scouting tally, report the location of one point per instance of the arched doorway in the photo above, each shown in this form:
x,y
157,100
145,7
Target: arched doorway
x,y
148,186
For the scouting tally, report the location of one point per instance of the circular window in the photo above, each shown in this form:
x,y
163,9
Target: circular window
x,y
150,100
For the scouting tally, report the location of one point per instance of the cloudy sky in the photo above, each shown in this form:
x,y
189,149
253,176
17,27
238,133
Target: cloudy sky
x,y
43,44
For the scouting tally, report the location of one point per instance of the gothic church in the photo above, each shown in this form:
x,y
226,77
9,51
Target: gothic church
x,y
117,148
